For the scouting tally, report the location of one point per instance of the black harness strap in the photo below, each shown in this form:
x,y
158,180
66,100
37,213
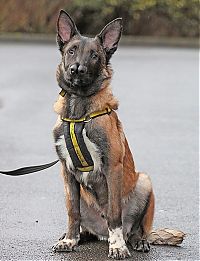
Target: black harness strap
x,y
79,136
28,170
78,151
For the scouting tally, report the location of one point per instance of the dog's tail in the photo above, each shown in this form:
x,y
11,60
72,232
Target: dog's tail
x,y
166,236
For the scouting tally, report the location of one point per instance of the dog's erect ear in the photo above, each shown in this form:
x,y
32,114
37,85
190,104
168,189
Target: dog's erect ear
x,y
110,35
66,28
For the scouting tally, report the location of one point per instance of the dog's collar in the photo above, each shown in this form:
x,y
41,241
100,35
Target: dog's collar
x,y
89,117
62,92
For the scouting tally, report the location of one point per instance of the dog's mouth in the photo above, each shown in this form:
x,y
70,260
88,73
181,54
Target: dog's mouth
x,y
81,86
80,83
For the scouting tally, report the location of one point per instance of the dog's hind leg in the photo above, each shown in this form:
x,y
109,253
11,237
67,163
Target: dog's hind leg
x,y
139,239
138,214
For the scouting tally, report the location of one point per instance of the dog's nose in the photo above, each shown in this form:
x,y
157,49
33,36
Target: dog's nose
x,y
82,69
73,68
78,69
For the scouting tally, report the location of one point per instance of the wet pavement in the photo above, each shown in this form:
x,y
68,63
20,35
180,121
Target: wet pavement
x,y
158,93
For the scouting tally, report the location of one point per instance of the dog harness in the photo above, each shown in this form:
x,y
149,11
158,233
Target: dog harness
x,y
75,143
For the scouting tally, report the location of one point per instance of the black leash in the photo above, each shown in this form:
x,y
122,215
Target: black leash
x,y
28,170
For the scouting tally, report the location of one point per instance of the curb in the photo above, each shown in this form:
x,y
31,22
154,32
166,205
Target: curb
x,y
125,41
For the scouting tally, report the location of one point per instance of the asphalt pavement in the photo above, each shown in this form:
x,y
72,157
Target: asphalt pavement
x,y
158,93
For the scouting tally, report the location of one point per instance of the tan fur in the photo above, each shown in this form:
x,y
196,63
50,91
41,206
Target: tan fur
x,y
90,199
59,105
119,146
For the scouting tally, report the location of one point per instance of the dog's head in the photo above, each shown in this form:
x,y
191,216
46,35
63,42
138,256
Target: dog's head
x,y
84,59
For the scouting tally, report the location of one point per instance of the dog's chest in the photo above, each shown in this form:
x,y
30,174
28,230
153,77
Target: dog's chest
x,y
93,150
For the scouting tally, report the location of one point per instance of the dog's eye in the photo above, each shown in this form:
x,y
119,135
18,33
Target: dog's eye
x,y
71,51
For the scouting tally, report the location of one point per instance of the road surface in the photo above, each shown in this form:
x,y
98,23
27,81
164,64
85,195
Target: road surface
x,y
158,93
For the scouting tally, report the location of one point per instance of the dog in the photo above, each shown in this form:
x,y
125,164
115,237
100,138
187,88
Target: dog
x,y
105,195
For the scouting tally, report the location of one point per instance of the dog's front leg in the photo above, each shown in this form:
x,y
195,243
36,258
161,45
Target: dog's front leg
x,y
117,245
72,191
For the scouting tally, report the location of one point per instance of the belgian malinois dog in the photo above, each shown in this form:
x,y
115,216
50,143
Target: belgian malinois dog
x,y
105,196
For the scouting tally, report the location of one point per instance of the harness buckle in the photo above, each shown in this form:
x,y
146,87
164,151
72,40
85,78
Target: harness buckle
x,y
108,110
87,119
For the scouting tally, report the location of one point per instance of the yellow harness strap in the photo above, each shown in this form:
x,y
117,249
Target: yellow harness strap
x,y
84,163
90,116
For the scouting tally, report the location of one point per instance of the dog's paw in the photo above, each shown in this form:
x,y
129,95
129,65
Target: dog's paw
x,y
65,245
117,245
142,246
119,253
